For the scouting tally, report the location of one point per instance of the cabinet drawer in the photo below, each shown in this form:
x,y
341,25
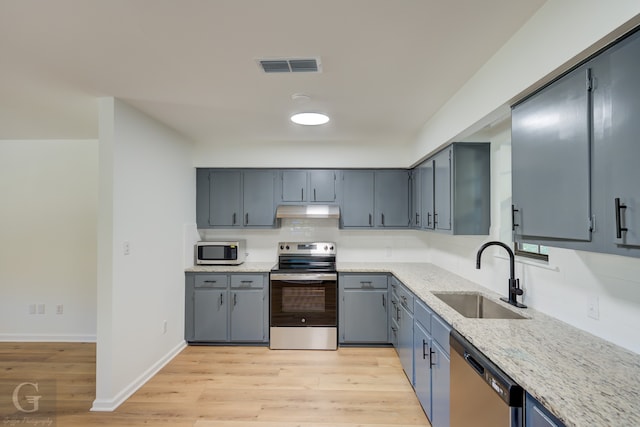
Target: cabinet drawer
x,y
405,296
211,281
422,314
373,281
440,332
248,281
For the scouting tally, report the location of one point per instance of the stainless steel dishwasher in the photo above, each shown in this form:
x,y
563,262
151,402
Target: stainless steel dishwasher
x,y
481,394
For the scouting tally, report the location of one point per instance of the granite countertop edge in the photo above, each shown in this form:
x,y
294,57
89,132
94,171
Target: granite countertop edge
x,y
582,379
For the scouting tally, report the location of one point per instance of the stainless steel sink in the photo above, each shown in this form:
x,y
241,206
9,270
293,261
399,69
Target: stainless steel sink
x,y
476,306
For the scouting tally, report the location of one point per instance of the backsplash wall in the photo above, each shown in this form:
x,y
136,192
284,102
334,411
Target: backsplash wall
x,y
353,245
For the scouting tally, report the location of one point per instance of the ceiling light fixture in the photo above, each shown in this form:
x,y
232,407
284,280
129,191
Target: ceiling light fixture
x,y
310,119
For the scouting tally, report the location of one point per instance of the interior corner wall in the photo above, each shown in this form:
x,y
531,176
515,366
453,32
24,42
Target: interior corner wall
x,y
48,212
560,32
147,199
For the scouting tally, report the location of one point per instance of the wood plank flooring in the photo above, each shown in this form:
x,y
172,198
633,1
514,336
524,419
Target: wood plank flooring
x,y
231,387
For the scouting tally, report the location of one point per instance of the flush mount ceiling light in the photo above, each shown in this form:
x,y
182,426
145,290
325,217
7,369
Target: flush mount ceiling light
x,y
310,119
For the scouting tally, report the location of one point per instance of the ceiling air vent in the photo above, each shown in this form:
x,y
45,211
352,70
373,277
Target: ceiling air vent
x,y
306,65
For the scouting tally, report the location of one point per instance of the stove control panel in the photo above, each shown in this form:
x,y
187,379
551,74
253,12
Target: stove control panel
x,y
306,248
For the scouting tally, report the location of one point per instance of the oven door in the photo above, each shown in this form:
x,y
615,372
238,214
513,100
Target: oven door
x,y
304,299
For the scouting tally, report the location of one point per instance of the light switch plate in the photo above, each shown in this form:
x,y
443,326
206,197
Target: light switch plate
x,y
593,308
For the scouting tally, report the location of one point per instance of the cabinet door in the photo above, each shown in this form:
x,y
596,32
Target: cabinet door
x,y
202,198
422,369
322,186
364,316
442,190
427,195
224,198
210,314
550,140
537,415
357,204
392,199
440,368
294,185
247,315
416,198
623,145
258,198
405,341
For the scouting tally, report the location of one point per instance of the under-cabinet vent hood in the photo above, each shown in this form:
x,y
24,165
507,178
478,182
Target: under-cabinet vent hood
x,y
308,211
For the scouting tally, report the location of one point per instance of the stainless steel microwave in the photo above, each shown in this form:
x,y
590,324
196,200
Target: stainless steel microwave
x,y
220,253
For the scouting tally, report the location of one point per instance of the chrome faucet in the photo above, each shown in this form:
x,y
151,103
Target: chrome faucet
x,y
514,284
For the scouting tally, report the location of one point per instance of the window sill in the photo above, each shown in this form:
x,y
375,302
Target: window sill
x,y
546,265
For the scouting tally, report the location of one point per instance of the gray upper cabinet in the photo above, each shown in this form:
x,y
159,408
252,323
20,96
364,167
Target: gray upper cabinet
x,y
225,207
391,198
575,151
229,198
308,186
258,196
442,190
357,202
551,148
455,189
622,144
415,214
294,186
375,198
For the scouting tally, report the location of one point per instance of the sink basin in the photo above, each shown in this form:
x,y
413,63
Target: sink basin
x,y
477,306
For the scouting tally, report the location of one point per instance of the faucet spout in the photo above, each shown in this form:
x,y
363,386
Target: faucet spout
x,y
514,284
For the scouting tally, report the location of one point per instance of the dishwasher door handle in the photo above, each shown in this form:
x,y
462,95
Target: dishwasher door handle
x,y
474,364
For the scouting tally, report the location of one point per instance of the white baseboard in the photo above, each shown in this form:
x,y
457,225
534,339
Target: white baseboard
x,y
108,405
47,338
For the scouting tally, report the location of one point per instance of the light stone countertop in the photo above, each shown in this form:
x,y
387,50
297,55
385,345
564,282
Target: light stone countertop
x,y
582,379
245,267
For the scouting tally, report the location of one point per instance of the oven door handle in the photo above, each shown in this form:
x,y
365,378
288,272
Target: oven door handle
x,y
304,277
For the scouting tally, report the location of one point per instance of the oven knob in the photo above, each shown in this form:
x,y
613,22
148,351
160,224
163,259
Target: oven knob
x,y
287,247
304,320
331,248
326,248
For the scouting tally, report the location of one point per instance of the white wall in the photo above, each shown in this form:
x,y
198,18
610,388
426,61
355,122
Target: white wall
x,y
48,211
560,34
147,198
353,245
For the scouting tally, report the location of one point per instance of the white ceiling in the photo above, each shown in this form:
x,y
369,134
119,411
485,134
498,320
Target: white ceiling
x,y
387,66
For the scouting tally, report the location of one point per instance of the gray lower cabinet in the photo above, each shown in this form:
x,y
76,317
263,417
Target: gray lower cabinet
x,y
363,313
431,356
537,415
402,318
222,308
233,198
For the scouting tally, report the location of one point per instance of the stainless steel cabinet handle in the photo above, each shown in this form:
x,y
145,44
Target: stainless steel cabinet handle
x,y
301,194
397,314
513,218
424,350
382,218
370,220
428,219
233,221
384,301
314,194
235,299
246,218
221,300
366,284
431,362
417,218
210,281
435,219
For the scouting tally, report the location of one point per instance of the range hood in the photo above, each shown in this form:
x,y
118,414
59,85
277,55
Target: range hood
x,y
308,211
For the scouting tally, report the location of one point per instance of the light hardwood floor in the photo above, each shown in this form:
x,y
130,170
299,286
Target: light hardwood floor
x,y
231,387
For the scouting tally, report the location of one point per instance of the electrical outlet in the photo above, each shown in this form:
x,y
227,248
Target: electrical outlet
x,y
126,247
40,308
32,309
59,309
593,308
164,327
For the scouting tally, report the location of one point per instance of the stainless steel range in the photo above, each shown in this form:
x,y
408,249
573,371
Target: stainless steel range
x,y
304,297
